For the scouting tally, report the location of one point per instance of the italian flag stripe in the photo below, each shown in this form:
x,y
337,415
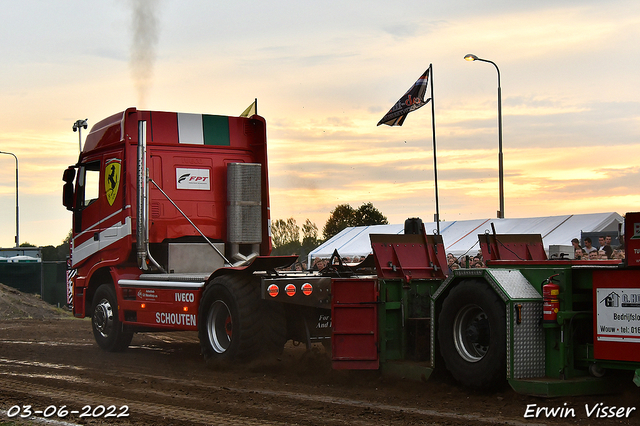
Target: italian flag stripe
x,y
201,129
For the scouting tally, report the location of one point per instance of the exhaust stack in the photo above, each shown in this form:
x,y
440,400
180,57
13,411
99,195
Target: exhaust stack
x,y
142,203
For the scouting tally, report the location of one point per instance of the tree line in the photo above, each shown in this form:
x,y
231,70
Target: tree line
x,y
53,253
285,234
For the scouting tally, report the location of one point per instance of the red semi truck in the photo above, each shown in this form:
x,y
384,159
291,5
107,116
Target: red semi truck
x,y
171,231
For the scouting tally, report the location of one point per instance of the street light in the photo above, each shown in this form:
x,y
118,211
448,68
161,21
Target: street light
x,y
17,214
471,57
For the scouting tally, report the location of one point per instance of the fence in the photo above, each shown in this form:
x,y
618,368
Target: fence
x,y
48,279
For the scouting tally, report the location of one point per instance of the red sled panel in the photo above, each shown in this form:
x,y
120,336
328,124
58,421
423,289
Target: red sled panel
x,y
354,317
616,319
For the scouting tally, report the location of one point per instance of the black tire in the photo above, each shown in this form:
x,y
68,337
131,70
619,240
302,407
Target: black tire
x,y
472,335
235,323
107,328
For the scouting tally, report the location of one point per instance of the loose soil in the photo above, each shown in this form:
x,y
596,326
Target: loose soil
x,y
48,358
17,305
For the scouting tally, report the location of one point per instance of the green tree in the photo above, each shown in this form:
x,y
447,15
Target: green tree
x,y
341,217
285,232
309,233
285,237
369,215
310,238
344,216
58,253
49,253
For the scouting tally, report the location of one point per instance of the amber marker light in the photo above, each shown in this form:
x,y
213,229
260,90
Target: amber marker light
x,y
185,308
143,305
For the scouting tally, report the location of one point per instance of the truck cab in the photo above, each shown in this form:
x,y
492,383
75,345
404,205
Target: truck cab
x,y
166,194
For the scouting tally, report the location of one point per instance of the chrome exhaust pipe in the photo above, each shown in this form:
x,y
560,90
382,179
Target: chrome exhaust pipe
x,y
142,204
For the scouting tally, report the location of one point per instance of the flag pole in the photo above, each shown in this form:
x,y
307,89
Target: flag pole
x,y
435,161
256,101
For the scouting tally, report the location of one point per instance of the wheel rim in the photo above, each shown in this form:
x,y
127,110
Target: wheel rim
x,y
471,333
220,326
103,318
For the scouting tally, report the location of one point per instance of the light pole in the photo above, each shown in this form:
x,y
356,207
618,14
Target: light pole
x,y
17,210
471,57
79,125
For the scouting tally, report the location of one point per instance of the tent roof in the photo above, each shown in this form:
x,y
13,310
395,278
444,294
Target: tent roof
x,y
461,236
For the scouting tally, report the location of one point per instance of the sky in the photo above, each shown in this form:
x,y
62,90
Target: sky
x,y
324,73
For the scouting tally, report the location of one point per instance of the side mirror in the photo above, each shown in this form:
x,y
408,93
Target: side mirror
x,y
67,189
69,174
67,195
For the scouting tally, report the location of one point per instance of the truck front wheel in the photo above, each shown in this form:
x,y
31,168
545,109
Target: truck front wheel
x,y
472,335
107,328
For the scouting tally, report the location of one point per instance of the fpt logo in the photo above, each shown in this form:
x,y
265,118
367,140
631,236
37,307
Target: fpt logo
x,y
193,179
190,178
112,179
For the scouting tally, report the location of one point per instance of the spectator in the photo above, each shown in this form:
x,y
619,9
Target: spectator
x,y
451,261
588,247
608,251
618,254
318,264
579,253
607,246
576,244
479,264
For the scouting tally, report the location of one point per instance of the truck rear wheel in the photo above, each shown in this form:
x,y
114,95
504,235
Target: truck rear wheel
x,y
235,323
107,328
472,335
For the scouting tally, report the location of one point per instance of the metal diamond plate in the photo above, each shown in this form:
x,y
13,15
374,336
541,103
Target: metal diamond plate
x,y
514,284
528,342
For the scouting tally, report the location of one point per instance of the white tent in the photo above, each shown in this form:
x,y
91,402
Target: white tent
x,y
21,259
461,237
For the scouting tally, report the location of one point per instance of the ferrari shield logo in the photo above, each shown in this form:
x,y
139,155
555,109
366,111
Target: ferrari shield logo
x,y
112,179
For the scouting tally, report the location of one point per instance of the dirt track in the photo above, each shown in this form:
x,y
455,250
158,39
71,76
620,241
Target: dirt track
x,y
162,379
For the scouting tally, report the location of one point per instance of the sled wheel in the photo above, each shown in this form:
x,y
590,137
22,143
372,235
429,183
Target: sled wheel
x,y
472,335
